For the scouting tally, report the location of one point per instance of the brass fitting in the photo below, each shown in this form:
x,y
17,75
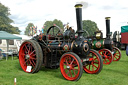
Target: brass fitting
x,y
78,6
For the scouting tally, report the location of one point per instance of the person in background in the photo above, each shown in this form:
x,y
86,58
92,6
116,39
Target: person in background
x,y
127,50
1,54
43,29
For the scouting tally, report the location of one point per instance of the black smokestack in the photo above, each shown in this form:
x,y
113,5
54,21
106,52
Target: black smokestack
x,y
79,19
108,27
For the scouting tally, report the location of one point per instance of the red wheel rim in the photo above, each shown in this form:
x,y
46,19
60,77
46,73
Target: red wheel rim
x,y
106,55
69,67
93,65
27,56
116,54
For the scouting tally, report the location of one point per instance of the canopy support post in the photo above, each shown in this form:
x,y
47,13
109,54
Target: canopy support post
x,y
7,40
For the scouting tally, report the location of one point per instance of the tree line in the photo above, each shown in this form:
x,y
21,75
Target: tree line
x,y
5,21
5,24
88,26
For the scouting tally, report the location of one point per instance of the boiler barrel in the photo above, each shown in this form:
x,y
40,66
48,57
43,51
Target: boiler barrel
x,y
98,44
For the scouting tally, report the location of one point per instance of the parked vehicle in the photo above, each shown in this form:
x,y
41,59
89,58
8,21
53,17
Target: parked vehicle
x,y
105,46
57,49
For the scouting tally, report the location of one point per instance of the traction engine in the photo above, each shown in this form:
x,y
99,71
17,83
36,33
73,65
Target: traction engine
x,y
64,50
105,46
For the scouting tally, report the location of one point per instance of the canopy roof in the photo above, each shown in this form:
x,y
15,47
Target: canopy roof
x,y
24,37
5,35
124,29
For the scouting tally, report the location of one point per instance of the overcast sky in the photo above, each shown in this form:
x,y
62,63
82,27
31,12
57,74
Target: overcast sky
x,y
39,11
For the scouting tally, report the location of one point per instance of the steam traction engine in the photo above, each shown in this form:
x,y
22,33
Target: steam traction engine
x,y
57,49
105,46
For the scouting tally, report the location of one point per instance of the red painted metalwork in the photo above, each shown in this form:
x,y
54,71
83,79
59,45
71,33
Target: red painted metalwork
x,y
27,56
69,67
116,54
106,55
92,66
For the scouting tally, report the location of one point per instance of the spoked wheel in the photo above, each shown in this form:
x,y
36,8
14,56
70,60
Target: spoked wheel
x,y
94,64
30,56
71,66
106,55
116,54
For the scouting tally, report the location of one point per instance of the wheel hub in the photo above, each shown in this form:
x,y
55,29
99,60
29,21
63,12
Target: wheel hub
x,y
89,62
104,57
68,67
27,56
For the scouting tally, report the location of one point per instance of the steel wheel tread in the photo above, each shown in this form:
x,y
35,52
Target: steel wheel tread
x,y
41,55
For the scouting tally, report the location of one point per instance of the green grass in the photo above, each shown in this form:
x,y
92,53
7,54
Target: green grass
x,y
114,74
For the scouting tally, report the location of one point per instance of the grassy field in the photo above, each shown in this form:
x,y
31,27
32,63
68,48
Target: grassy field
x,y
114,74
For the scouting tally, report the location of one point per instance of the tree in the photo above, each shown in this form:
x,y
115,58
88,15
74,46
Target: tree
x,y
5,21
14,30
28,29
48,24
90,27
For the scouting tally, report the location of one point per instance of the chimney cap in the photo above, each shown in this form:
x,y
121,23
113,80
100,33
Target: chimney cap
x,y
107,18
78,5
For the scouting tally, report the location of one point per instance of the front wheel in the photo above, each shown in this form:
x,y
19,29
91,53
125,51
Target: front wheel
x,y
71,66
95,63
116,54
106,55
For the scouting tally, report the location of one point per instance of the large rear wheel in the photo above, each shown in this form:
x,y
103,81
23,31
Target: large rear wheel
x,y
30,56
71,66
106,55
94,64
